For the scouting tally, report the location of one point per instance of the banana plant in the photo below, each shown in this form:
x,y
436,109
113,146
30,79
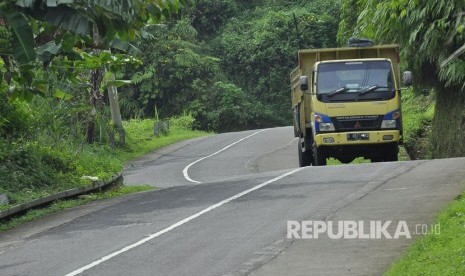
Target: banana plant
x,y
100,24
43,29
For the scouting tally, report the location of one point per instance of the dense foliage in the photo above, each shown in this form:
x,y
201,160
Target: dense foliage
x,y
429,31
228,62
53,58
259,49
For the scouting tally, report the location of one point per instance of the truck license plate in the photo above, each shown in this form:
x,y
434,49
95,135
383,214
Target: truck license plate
x,y
358,136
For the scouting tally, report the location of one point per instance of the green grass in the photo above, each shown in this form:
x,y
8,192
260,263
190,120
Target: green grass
x,y
334,162
70,203
34,169
418,113
69,162
140,137
403,156
437,254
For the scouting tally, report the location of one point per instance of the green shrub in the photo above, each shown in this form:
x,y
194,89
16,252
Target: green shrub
x,y
13,118
418,113
183,122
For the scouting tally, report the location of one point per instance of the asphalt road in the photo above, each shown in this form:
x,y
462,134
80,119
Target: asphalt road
x,y
224,210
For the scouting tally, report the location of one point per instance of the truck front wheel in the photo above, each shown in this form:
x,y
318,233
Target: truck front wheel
x,y
391,153
304,158
319,155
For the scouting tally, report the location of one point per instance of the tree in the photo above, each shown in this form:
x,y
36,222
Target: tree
x,y
59,26
350,11
174,63
209,16
259,48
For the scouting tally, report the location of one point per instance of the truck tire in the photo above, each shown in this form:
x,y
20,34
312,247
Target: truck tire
x,y
346,160
391,153
376,159
319,156
297,121
304,159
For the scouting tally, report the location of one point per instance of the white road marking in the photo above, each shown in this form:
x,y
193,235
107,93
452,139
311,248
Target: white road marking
x,y
406,188
186,169
396,189
177,224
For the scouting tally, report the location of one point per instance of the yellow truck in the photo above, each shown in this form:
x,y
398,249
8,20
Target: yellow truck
x,y
346,103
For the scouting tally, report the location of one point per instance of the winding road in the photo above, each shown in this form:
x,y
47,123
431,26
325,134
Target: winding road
x,y
224,207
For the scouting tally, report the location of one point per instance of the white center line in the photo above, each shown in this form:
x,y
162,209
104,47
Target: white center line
x,y
186,169
177,224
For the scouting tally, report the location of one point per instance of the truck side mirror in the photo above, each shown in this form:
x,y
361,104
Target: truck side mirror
x,y
303,83
407,78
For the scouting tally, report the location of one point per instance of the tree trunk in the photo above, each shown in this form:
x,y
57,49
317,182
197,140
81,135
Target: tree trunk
x,y
115,111
448,136
95,103
111,137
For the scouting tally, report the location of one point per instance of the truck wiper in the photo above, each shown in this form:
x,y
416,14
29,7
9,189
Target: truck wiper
x,y
368,90
337,91
371,89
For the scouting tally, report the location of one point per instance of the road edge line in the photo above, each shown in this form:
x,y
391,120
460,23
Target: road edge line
x,y
185,171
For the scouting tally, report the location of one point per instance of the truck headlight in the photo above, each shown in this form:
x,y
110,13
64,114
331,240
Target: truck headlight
x,y
327,127
389,124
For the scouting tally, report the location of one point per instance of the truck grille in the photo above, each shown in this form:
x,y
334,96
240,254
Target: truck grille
x,y
351,123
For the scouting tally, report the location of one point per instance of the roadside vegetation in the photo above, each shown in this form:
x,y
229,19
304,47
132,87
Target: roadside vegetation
x,y
227,62
418,113
41,165
440,253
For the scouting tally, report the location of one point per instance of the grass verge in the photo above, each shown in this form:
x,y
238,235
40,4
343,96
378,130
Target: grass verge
x,y
418,113
437,254
34,169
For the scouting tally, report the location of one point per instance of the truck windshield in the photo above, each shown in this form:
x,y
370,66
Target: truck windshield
x,y
354,77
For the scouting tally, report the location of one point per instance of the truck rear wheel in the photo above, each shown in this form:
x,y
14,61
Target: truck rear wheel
x,y
304,158
319,156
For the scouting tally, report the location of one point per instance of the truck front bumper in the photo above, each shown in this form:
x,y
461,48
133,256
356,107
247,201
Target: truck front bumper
x,y
357,138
